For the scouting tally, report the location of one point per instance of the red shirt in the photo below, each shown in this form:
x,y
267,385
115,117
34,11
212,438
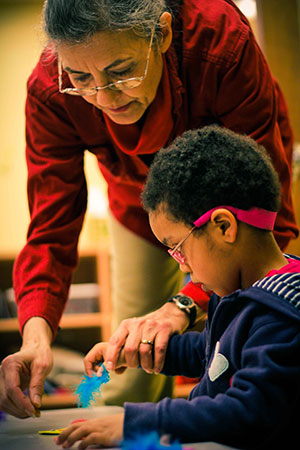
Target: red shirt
x,y
214,72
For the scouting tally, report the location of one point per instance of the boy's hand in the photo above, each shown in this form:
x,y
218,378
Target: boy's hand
x,y
96,356
107,431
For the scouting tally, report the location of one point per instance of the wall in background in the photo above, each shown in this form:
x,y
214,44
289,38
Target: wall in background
x,y
279,27
20,43
21,40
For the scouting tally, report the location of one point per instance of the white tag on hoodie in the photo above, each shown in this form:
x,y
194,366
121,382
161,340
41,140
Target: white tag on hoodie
x,y
218,365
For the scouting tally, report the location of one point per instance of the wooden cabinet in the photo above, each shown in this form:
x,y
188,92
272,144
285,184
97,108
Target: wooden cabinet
x,y
93,267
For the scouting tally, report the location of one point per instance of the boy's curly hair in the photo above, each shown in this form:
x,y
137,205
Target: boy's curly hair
x,y
210,167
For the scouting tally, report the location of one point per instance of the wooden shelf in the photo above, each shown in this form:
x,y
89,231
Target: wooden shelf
x,y
7,325
84,320
57,401
67,321
94,266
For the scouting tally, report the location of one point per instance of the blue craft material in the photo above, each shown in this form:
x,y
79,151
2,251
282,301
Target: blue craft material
x,y
149,441
89,388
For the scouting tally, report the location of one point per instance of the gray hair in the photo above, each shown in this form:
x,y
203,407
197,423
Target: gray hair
x,y
76,21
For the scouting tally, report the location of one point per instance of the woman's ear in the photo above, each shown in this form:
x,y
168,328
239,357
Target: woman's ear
x,y
226,223
165,21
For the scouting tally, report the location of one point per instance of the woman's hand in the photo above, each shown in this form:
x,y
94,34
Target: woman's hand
x,y
107,431
27,368
155,327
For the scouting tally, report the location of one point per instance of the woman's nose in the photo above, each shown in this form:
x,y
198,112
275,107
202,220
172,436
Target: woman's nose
x,y
107,97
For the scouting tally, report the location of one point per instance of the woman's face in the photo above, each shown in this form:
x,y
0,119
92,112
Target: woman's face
x,y
109,57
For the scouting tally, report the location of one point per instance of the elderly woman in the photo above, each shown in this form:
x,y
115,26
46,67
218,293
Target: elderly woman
x,y
122,79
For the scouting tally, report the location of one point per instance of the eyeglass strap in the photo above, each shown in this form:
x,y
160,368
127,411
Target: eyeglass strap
x,y
257,217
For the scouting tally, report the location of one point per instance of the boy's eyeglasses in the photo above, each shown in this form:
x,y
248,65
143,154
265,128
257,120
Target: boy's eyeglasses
x,y
120,85
176,252
257,217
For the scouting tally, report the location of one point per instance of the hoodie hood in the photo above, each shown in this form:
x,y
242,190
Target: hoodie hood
x,y
281,291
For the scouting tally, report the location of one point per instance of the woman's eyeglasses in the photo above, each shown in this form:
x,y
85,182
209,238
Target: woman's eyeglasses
x,y
120,85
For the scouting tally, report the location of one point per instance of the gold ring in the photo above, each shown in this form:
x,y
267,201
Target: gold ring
x,y
145,341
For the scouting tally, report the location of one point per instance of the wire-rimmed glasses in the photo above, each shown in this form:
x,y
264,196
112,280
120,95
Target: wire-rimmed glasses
x,y
128,83
176,252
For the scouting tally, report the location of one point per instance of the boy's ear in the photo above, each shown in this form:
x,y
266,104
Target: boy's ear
x,y
226,224
165,21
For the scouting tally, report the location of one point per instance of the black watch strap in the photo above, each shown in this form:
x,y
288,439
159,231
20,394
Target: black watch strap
x,y
187,305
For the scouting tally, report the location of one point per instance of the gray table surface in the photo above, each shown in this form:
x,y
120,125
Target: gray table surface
x,y
18,434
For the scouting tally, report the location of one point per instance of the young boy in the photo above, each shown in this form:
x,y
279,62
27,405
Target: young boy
x,y
212,198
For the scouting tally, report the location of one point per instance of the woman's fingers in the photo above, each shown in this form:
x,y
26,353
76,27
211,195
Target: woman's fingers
x,y
131,337
132,334
12,399
26,368
160,347
39,369
116,343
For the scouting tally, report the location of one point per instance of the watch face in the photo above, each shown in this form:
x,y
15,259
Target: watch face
x,y
187,305
185,301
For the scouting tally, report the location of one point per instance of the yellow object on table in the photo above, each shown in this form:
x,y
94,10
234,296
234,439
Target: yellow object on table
x,y
54,432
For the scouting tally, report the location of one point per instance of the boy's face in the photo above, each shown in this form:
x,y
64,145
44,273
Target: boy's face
x,y
208,258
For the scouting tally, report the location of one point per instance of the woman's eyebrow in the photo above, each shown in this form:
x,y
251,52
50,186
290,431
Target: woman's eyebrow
x,y
117,62
114,64
69,70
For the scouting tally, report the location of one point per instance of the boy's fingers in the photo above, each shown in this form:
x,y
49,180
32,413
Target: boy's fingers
x,y
94,357
100,371
64,434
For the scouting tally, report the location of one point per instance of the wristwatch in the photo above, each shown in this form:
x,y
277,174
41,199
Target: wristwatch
x,y
187,305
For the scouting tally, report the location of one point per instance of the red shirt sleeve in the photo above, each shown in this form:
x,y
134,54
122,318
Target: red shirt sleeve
x,y
197,294
57,200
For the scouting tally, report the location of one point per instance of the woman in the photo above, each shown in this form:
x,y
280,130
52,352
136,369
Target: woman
x,y
139,74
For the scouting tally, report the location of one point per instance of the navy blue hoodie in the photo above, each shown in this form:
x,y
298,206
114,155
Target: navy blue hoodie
x,y
248,363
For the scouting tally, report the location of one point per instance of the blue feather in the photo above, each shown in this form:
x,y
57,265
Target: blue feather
x,y
89,388
150,441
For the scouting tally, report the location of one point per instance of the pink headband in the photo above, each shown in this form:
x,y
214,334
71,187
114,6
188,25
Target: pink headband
x,y
257,217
